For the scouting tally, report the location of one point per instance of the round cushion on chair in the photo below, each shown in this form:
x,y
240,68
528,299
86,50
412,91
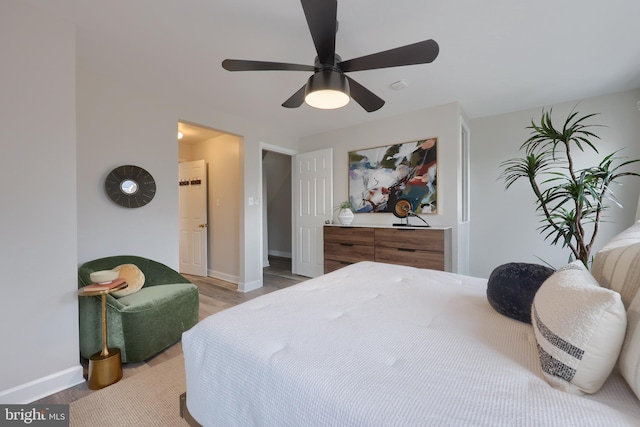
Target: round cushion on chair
x,y
511,288
134,277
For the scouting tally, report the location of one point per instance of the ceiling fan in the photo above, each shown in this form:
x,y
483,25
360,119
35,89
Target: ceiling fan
x,y
329,87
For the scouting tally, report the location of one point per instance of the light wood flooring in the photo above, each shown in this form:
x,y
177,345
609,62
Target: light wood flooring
x,y
215,295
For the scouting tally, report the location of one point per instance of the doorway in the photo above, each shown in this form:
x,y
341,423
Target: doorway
x,y
277,222
220,152
192,198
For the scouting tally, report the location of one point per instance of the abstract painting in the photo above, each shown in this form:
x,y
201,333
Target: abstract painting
x,y
380,177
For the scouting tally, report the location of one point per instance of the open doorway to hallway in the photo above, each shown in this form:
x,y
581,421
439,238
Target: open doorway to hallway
x,y
220,154
277,225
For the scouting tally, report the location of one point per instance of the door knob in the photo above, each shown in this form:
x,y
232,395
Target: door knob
x,y
203,225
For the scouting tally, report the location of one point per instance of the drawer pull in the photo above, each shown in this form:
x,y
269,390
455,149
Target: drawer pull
x,y
406,250
346,244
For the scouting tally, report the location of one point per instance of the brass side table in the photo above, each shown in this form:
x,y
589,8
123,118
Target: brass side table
x,y
105,366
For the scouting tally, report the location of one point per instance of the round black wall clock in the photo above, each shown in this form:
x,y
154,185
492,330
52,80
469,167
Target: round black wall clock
x,y
130,186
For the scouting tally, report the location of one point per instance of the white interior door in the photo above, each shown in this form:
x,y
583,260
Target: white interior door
x,y
312,201
192,178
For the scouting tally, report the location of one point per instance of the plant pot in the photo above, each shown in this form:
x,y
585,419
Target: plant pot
x,y
345,216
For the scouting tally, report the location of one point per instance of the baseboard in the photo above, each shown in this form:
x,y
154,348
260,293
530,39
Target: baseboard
x,y
223,276
251,286
43,387
242,287
281,254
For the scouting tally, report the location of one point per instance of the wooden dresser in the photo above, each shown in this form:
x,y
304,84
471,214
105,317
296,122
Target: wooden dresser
x,y
413,246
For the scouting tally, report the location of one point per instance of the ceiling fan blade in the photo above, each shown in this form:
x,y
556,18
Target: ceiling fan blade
x,y
322,21
417,53
242,65
296,99
363,96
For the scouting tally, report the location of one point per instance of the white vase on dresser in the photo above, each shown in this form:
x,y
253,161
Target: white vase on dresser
x,y
345,216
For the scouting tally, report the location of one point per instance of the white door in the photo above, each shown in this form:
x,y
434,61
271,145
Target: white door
x,y
192,177
313,205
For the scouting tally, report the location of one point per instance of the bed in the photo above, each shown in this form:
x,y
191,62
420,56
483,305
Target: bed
x,y
376,344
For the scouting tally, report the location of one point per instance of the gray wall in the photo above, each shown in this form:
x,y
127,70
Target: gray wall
x,y
49,228
442,122
504,224
39,314
56,214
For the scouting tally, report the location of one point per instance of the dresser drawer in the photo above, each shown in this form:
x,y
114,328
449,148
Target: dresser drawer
x,y
348,252
410,238
410,257
353,235
415,247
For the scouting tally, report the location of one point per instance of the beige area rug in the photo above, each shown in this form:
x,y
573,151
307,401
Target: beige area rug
x,y
150,398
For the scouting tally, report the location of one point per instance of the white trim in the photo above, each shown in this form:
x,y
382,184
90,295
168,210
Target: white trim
x,y
223,276
280,254
251,286
277,149
43,387
464,162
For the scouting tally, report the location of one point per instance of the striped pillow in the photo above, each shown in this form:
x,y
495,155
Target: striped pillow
x,y
629,362
617,265
579,328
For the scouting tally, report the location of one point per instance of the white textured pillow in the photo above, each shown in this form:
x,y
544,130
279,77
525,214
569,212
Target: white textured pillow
x,y
579,328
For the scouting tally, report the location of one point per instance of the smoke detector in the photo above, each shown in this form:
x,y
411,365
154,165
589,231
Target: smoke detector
x,y
399,85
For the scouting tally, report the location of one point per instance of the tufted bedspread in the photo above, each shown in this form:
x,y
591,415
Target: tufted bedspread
x,y
376,344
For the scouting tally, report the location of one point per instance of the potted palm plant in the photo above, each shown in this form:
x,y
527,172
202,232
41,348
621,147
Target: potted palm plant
x,y
571,201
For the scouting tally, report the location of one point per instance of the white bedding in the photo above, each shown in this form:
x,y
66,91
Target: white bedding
x,y
379,345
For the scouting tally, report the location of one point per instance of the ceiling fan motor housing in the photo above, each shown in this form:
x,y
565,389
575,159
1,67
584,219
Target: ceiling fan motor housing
x,y
331,83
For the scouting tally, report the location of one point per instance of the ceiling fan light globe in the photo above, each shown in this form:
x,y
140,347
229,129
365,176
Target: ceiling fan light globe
x,y
327,99
327,90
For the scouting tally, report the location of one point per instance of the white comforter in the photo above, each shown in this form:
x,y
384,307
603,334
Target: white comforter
x,y
381,345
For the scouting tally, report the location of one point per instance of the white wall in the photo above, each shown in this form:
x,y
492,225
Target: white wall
x,y
117,126
39,314
253,137
442,122
504,223
56,151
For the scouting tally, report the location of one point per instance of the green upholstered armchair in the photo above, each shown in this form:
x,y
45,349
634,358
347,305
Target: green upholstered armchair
x,y
143,323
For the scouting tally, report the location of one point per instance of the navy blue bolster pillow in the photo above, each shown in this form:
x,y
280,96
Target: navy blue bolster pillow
x,y
511,288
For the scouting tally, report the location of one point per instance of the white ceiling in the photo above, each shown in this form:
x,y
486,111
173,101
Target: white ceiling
x,y
495,56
